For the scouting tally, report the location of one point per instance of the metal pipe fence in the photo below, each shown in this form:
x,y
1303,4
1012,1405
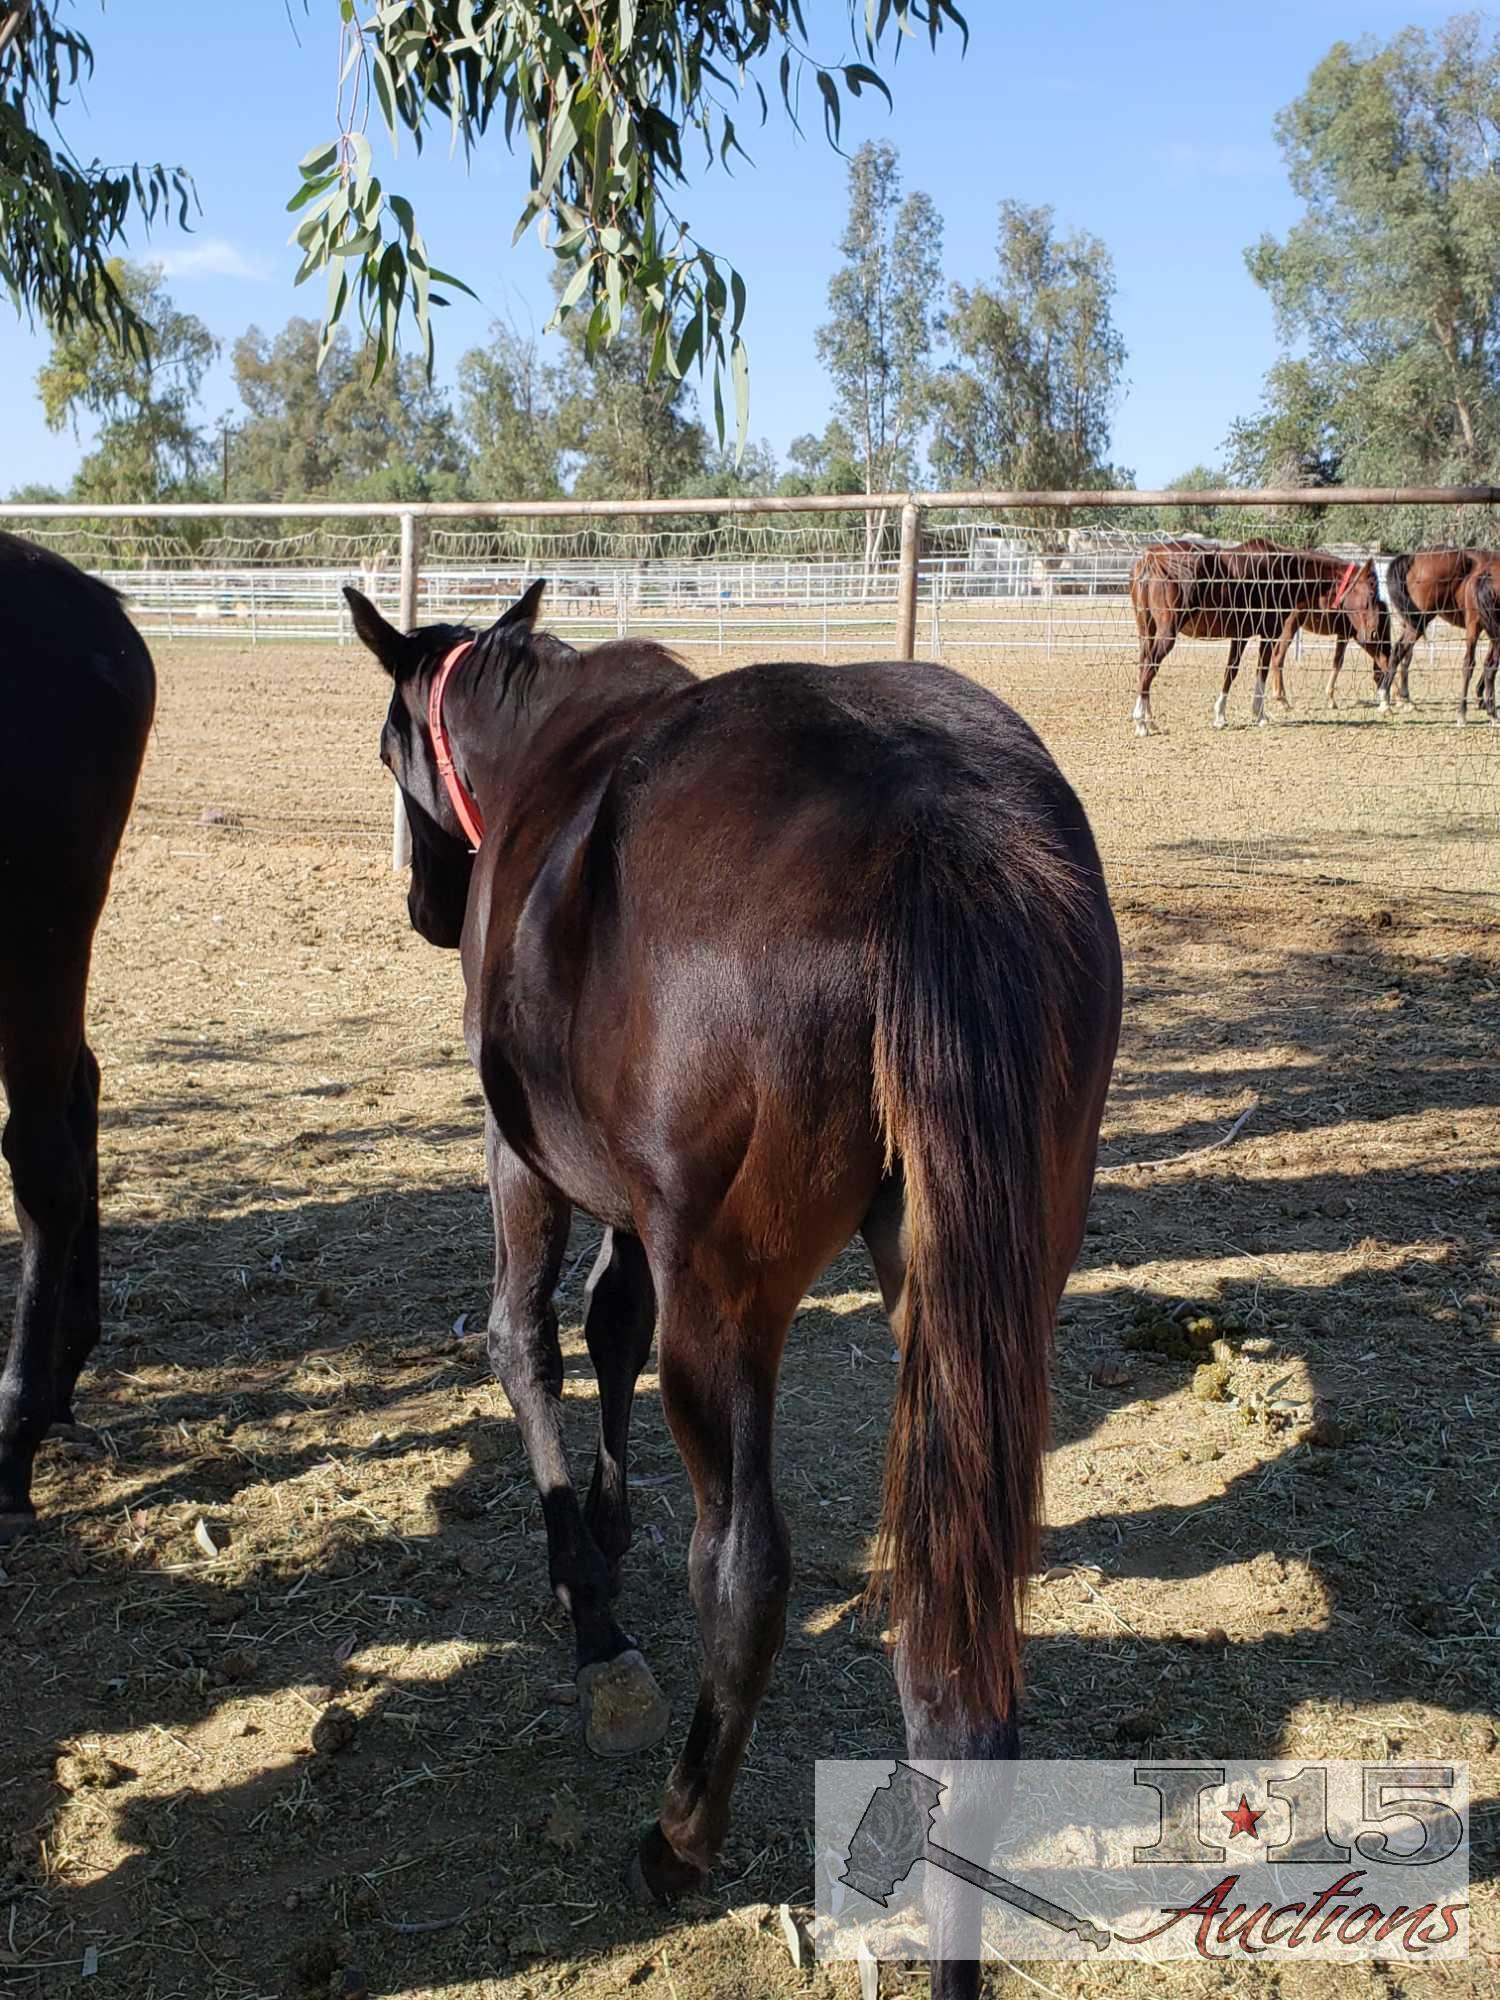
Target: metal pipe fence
x,y
994,580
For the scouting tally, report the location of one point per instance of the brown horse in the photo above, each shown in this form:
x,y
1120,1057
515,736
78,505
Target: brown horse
x,y
1253,591
1431,583
752,965
79,691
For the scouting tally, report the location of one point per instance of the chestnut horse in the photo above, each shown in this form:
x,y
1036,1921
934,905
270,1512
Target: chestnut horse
x,y
1252,591
752,965
79,692
1433,583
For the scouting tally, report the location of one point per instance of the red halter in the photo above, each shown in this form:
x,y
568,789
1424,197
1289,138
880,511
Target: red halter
x,y
464,803
1344,582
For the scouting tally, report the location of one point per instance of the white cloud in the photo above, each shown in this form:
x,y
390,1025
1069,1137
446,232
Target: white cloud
x,y
211,257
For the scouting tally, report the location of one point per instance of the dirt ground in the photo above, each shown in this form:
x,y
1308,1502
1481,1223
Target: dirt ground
x,y
325,1740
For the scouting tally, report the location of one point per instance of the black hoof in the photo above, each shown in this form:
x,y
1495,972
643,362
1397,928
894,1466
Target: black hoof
x,y
658,1874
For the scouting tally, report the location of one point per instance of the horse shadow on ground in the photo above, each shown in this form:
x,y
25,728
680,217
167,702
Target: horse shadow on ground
x,y
1299,1561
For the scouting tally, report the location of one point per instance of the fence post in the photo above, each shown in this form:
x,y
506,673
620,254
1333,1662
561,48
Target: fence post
x,y
411,557
906,582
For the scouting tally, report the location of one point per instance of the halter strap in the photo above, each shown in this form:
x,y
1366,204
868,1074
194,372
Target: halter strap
x,y
464,803
1344,582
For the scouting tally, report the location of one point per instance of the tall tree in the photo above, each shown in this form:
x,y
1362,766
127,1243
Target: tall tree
x,y
601,95
510,408
150,444
1387,291
633,432
325,430
877,343
1038,361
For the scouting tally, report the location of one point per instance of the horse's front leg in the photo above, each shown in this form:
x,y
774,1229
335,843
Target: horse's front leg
x,y
1272,658
1337,668
1221,705
623,1709
1278,674
618,1325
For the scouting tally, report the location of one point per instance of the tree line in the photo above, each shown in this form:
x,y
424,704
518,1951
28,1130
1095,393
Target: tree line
x,y
1386,294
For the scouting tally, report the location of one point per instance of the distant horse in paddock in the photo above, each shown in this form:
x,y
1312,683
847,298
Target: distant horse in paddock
x,y
1253,591
79,693
752,965
1429,584
1479,601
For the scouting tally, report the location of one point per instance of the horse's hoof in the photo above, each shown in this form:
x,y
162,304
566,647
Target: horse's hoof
x,y
1141,729
14,1523
623,1708
658,1874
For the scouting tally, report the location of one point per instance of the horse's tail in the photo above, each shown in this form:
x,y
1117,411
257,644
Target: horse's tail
x,y
1487,601
973,963
1398,594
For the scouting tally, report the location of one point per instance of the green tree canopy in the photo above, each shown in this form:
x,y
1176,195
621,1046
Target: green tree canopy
x,y
1387,291
877,342
1037,364
633,432
150,444
63,219
324,429
510,408
604,99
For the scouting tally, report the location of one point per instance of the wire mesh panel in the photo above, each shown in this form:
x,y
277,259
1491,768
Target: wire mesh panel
x,y
1221,780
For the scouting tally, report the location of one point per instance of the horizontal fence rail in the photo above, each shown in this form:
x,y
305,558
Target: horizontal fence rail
x,y
1041,611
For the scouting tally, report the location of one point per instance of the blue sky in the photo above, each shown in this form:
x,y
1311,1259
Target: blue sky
x,y
1149,124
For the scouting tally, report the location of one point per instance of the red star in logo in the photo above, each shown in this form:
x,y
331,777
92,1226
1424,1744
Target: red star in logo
x,y
1242,1819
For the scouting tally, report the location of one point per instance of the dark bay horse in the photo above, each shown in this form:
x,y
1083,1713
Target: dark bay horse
x,y
1252,591
752,965
1433,583
79,693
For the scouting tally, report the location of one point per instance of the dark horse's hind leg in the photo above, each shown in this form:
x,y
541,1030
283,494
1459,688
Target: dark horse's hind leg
x,y
618,1324
719,1355
79,1321
47,1086
623,1709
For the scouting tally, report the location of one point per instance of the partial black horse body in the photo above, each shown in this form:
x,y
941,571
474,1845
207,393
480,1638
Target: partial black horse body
x,y
79,691
753,965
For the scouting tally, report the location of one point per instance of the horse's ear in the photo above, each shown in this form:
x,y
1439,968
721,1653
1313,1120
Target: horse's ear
x,y
526,606
388,645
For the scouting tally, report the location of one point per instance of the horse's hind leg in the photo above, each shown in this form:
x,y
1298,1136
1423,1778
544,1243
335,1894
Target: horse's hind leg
x,y
623,1709
1153,655
41,1035
720,1348
1471,647
79,1320
1232,667
618,1324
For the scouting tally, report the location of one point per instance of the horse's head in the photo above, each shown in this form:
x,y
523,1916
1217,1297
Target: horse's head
x,y
442,860
1366,612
